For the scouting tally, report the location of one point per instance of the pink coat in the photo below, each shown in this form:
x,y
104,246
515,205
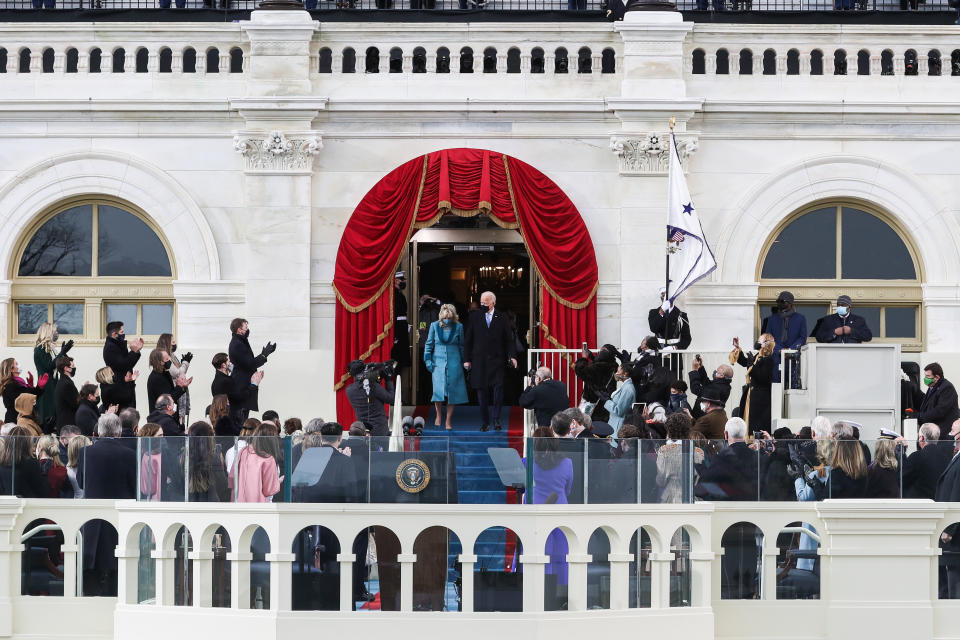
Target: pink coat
x,y
259,477
150,476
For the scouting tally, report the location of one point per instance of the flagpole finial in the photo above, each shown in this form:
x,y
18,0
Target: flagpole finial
x,y
673,122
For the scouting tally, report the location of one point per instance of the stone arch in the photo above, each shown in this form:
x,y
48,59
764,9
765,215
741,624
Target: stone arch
x,y
897,192
169,205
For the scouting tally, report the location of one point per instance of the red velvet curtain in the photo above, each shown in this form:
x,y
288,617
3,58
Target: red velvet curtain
x,y
463,182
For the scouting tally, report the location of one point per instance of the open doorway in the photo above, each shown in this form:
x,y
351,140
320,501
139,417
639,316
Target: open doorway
x,y
457,265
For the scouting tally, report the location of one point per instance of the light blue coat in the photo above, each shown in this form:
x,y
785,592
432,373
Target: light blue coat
x,y
620,404
443,355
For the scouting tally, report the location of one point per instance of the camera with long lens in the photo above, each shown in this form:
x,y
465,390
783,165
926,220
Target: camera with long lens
x,y
377,371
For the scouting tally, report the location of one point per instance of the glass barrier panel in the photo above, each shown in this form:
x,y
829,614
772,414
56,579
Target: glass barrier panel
x,y
557,475
413,470
727,471
612,471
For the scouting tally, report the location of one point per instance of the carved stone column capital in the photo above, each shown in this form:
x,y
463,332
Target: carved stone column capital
x,y
277,151
649,154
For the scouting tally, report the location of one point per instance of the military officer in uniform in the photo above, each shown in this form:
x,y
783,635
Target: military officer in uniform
x,y
672,329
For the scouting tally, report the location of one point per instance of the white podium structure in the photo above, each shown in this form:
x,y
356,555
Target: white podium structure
x,y
858,382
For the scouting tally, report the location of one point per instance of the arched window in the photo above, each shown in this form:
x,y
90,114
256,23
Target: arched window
x,y
560,61
466,60
349,62
236,60
143,58
723,62
119,59
584,60
838,247
47,60
886,62
73,60
419,60
513,60
933,63
325,60
816,62
793,62
608,61
863,62
769,62
92,258
698,62
24,61
165,61
396,60
910,62
536,60
839,62
189,60
95,60
746,62
443,60
213,60
490,60
372,60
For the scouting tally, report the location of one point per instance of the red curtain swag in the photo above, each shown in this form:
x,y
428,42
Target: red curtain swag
x,y
464,182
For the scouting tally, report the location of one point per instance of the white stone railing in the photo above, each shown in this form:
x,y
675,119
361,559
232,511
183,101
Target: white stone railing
x,y
822,50
878,569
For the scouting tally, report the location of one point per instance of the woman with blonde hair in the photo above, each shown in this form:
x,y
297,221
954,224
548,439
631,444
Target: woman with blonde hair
x,y
443,356
848,470
178,367
120,393
883,475
755,401
73,460
48,453
45,354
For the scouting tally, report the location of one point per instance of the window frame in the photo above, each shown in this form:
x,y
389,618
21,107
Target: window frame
x,y
95,292
881,293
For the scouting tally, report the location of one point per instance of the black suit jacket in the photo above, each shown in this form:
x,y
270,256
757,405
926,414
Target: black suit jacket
x,y
337,484
108,469
159,384
66,398
546,399
859,331
670,327
223,385
940,406
922,469
948,490
118,357
487,349
244,366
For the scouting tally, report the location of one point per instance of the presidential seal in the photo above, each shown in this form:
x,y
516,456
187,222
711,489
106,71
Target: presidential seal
x,y
413,475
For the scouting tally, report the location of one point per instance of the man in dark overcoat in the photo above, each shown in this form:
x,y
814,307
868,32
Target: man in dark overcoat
x,y
244,366
489,347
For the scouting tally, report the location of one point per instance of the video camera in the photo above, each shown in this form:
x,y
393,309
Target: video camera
x,y
377,371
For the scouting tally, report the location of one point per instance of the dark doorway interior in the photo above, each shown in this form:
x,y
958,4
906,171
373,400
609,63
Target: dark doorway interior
x,y
458,273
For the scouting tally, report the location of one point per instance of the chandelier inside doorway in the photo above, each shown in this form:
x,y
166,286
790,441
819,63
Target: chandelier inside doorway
x,y
498,277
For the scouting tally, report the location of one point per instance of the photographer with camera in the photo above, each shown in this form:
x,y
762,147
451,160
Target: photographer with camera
x,y
544,395
244,366
372,389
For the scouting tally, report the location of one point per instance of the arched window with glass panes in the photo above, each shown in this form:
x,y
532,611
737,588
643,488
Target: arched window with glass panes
x,y
834,248
89,261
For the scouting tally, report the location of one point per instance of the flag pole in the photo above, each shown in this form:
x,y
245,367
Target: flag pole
x,y
666,286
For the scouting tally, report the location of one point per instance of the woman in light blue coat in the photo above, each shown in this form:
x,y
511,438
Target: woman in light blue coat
x,y
443,355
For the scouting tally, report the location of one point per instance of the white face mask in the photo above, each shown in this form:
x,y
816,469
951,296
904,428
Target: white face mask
x,y
229,368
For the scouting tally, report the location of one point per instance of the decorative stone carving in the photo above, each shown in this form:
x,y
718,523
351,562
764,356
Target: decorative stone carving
x,y
648,154
275,152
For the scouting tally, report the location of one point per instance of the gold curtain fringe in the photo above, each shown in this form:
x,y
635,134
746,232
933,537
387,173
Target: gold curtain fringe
x,y
513,201
345,378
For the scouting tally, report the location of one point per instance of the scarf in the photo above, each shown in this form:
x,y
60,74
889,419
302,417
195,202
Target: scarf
x,y
449,332
786,315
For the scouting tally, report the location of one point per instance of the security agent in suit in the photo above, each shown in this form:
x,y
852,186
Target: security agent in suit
x,y
489,347
948,490
545,396
843,327
940,402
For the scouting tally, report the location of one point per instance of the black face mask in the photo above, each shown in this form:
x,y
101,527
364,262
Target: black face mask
x,y
484,308
401,285
167,364
781,305
173,348
757,346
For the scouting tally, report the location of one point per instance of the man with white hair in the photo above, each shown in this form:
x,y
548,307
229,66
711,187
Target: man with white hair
x,y
107,469
488,347
732,473
544,395
923,467
716,386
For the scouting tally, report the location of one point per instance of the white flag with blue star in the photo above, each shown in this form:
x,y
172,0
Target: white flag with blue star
x,y
690,257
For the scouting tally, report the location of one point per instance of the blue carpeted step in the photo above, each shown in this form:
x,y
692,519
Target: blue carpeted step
x,y
483,497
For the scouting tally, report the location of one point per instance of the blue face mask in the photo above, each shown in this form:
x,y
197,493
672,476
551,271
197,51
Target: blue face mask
x,y
842,311
445,321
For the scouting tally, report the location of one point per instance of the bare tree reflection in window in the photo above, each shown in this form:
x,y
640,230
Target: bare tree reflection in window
x,y
127,246
62,246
